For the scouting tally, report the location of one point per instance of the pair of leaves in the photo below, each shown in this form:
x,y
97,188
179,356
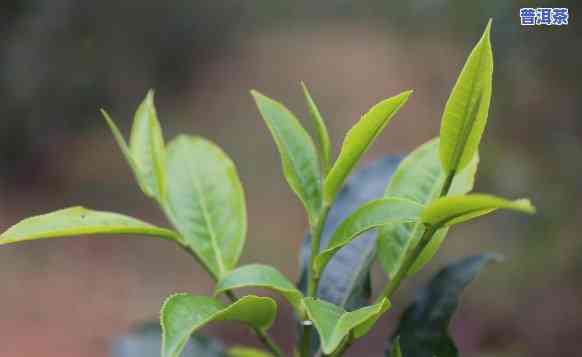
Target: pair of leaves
x,y
301,164
335,325
184,314
423,327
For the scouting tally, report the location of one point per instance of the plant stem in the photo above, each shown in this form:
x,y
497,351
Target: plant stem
x,y
263,336
447,184
316,232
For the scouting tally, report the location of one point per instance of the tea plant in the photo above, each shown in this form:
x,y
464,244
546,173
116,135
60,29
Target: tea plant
x,y
402,224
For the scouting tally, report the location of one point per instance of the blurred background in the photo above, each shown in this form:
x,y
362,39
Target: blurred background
x,y
61,60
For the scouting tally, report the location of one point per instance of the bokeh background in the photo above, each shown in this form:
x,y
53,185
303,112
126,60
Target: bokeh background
x,y
60,60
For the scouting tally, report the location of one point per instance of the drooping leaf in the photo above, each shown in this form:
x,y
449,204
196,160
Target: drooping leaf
x,y
76,221
423,327
146,341
371,215
145,153
323,140
183,314
334,324
346,282
239,351
358,140
420,178
146,144
450,210
465,114
262,276
206,202
297,151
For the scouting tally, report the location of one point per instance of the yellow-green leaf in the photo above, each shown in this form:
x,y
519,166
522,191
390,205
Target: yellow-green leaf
x,y
183,314
465,114
262,276
371,215
206,202
298,154
77,221
239,351
358,140
447,211
323,141
334,324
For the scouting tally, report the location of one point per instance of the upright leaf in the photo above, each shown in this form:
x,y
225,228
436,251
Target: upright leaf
x,y
76,221
395,351
334,324
465,115
146,145
183,314
423,327
358,140
238,351
371,215
346,282
262,276
420,178
146,341
205,201
450,210
323,140
297,151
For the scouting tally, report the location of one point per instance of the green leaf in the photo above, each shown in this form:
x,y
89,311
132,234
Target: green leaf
x,y
262,276
395,351
146,144
371,215
76,221
423,327
239,351
447,211
323,140
206,202
420,178
358,140
145,154
465,114
183,314
297,151
334,324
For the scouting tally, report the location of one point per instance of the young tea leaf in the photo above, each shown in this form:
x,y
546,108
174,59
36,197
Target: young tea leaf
x,y
358,140
76,221
322,135
183,314
334,324
420,178
423,327
447,211
146,144
395,351
262,276
465,114
297,151
239,351
206,202
371,215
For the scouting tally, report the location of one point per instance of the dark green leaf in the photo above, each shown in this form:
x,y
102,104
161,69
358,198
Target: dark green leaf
x,y
77,221
146,341
183,314
206,202
420,178
423,328
358,140
465,115
447,211
262,276
371,215
334,324
323,140
297,151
